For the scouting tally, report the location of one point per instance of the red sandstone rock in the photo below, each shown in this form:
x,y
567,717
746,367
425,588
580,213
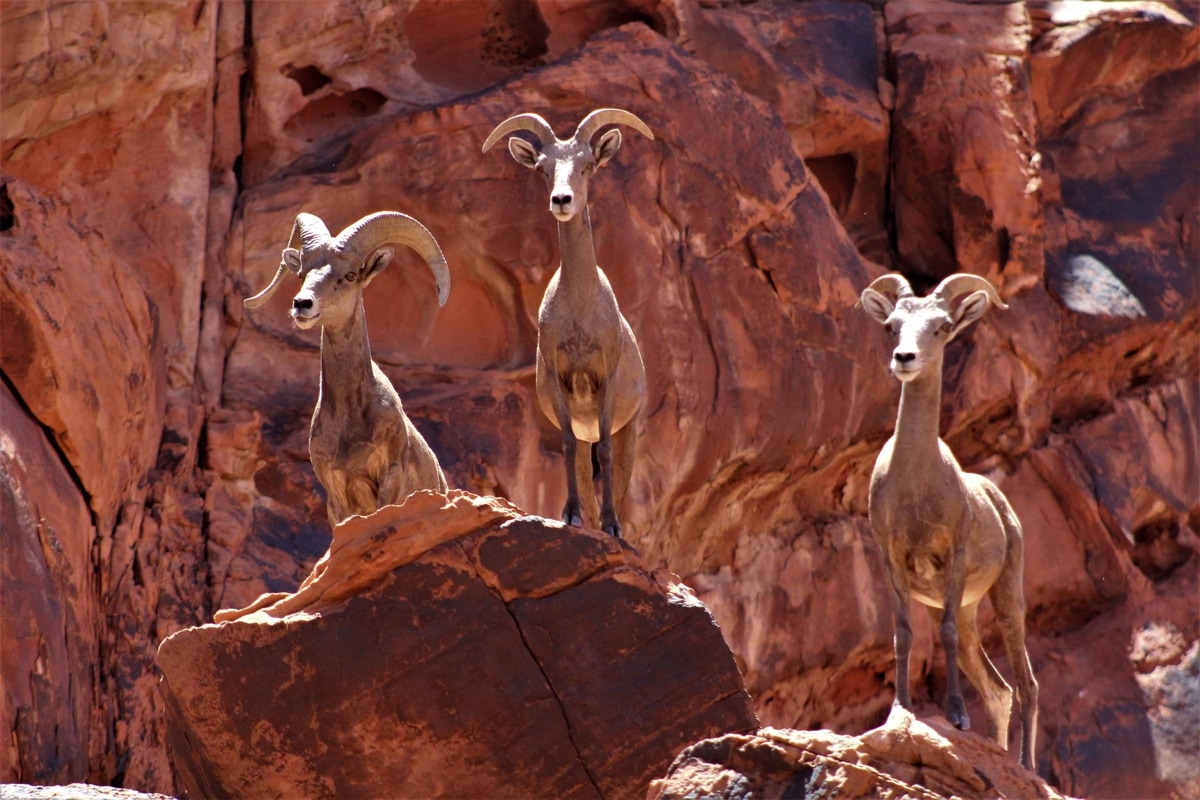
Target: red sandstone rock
x,y
497,655
47,614
67,377
324,74
769,394
965,173
905,758
818,66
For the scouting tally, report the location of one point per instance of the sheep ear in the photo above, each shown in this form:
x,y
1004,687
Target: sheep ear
x,y
969,310
291,259
375,263
607,147
877,305
525,154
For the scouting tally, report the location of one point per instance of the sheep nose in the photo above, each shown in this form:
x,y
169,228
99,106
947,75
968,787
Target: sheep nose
x,y
302,303
561,200
904,358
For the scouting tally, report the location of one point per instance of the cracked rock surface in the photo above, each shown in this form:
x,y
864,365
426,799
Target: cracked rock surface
x,y
452,647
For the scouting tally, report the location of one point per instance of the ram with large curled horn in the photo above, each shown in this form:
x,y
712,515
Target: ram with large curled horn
x,y
590,376
364,449
948,537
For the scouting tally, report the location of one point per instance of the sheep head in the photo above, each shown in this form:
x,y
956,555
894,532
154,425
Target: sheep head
x,y
335,270
566,164
921,326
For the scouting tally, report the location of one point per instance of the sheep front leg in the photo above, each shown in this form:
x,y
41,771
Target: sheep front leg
x,y
902,642
956,578
585,472
604,454
573,510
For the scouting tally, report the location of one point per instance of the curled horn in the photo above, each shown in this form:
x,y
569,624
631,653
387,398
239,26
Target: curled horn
x,y
265,295
609,116
373,231
521,122
308,232
892,282
961,283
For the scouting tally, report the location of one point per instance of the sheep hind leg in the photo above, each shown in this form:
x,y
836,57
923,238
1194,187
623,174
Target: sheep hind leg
x,y
1009,602
982,674
624,442
585,480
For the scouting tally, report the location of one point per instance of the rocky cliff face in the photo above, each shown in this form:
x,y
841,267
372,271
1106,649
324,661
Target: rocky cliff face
x,y
154,432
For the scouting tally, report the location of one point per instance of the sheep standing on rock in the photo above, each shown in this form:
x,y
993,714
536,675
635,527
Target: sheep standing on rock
x,y
364,449
948,537
590,376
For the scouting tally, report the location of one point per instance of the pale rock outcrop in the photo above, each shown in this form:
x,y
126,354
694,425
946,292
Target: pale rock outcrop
x,y
74,791
904,758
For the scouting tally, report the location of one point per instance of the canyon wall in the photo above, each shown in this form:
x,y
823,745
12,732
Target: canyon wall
x,y
155,432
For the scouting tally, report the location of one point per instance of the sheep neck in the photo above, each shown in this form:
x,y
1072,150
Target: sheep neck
x,y
346,369
578,251
916,433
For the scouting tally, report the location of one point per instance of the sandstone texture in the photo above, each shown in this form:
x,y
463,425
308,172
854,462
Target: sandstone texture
x,y
904,758
153,432
452,648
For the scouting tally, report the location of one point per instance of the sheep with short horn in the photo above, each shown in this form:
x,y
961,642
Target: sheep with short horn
x,y
948,537
590,375
363,447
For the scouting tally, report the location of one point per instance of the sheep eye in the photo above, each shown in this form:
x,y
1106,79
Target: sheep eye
x,y
946,327
589,168
892,328
351,276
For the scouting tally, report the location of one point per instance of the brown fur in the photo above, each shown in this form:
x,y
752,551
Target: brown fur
x,y
948,537
364,449
590,375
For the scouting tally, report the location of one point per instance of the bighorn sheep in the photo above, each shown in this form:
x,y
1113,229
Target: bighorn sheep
x,y
947,536
590,376
364,449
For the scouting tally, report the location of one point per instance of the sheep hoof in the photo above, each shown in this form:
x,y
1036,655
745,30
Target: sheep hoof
x,y
956,712
614,529
573,516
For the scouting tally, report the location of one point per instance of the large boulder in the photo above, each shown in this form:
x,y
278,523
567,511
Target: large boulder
x,y
452,647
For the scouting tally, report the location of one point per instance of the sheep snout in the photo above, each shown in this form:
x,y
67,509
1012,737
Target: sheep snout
x,y
562,206
304,311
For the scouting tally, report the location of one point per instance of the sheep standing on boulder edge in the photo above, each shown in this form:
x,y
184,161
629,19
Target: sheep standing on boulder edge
x,y
948,537
590,376
363,447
